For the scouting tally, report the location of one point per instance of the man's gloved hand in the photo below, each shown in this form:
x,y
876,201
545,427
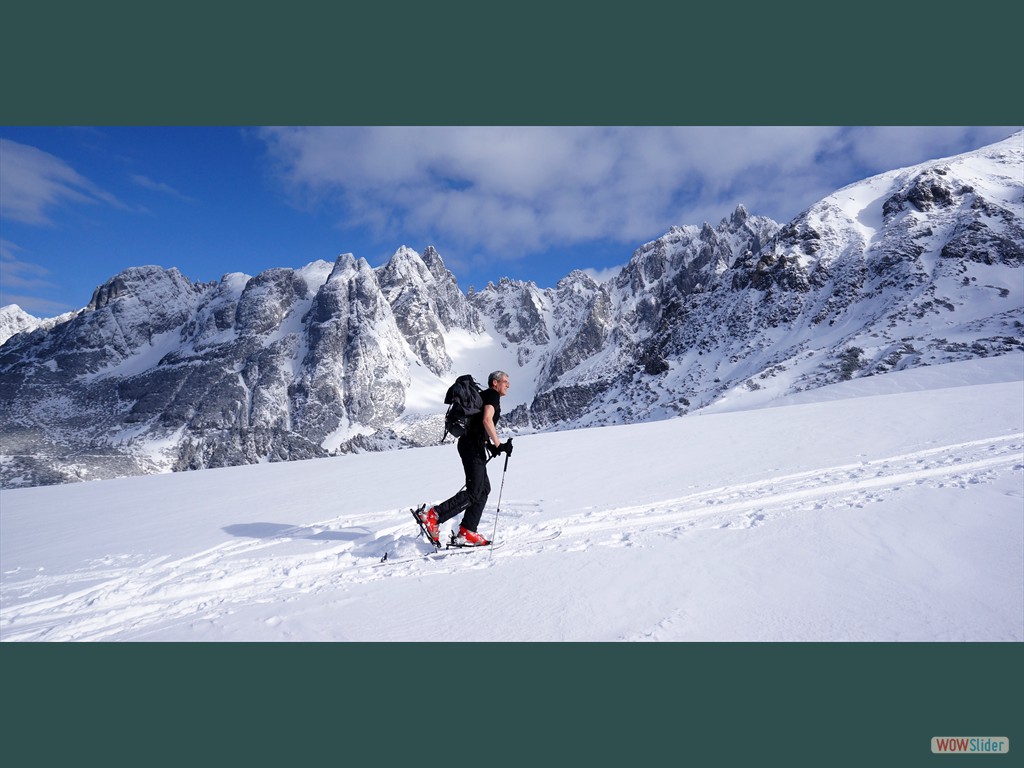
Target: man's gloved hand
x,y
505,447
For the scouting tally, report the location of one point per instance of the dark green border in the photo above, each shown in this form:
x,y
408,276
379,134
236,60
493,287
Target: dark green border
x,y
109,63
610,704
461,63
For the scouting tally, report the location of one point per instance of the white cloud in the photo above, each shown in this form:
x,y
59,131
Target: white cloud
x,y
508,191
892,147
602,275
34,182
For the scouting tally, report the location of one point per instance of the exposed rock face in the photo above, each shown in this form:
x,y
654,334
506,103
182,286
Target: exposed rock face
x,y
157,373
912,267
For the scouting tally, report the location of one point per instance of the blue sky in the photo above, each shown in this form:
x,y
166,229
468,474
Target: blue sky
x,y
78,205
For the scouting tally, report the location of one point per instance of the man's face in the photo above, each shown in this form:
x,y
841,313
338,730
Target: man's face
x,y
501,385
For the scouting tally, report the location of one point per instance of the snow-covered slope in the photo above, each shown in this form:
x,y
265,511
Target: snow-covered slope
x,y
881,509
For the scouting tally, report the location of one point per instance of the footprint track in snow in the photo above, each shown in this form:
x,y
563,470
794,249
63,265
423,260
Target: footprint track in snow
x,y
116,593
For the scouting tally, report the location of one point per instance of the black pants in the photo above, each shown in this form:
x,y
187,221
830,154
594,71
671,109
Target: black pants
x,y
473,497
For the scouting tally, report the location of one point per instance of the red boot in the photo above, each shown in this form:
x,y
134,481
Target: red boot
x,y
468,538
428,520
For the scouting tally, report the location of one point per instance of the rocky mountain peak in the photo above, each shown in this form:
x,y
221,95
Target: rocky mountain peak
x,y
739,217
406,264
144,283
577,281
415,298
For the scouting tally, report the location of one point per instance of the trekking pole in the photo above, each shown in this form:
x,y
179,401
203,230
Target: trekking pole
x,y
500,491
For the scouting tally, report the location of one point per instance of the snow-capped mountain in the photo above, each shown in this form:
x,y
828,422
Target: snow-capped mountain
x,y
911,267
13,319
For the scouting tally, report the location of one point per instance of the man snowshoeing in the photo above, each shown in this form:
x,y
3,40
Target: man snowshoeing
x,y
481,437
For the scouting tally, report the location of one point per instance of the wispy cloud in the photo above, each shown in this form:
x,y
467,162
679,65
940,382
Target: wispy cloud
x,y
34,183
155,186
18,273
22,282
509,191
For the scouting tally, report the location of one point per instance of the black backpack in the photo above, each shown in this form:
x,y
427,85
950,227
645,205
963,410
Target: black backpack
x,y
464,401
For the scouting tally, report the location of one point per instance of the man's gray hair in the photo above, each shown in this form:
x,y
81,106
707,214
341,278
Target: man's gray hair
x,y
496,376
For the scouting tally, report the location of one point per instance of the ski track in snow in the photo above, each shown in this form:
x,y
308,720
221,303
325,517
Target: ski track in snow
x,y
121,594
